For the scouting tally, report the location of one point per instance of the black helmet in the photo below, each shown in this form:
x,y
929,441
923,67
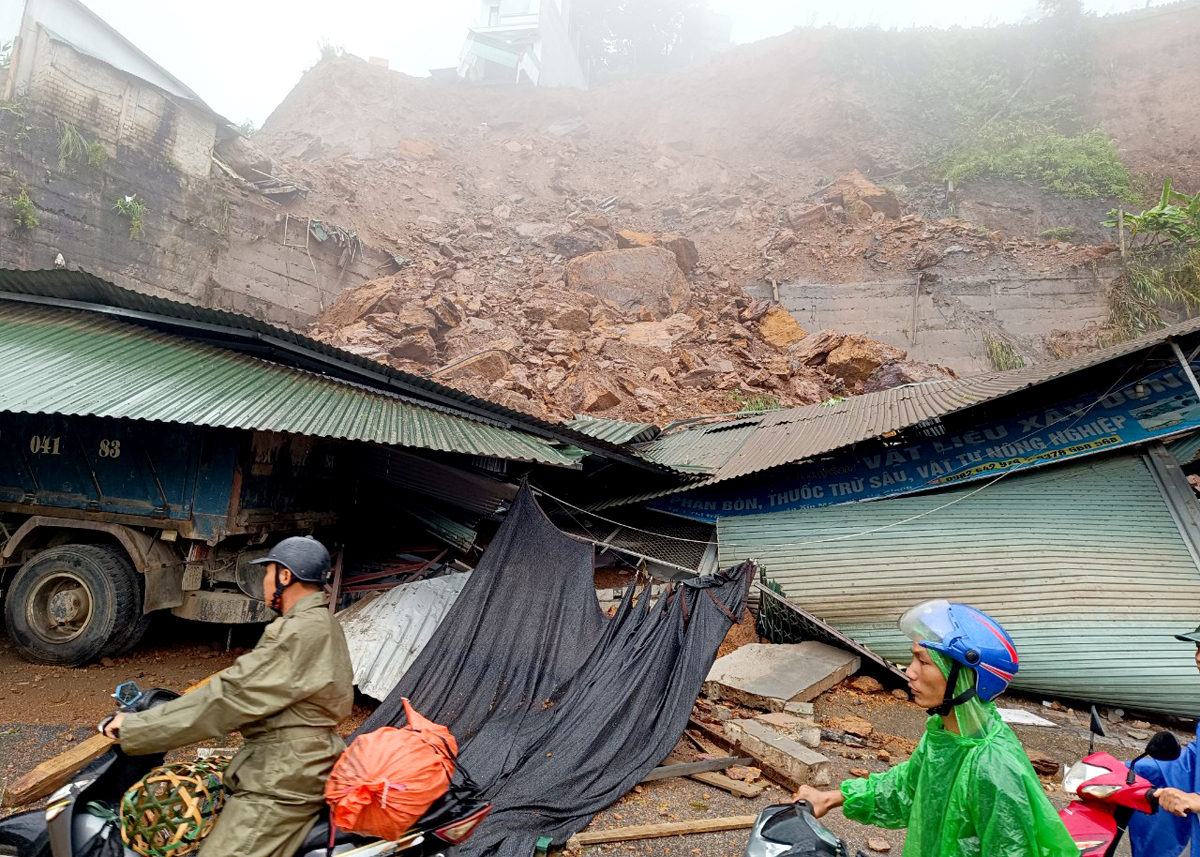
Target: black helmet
x,y
304,556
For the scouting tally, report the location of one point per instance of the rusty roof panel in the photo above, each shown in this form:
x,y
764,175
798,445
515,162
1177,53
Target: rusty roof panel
x,y
738,447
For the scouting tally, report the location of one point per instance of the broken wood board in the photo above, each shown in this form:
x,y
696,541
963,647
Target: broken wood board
x,y
671,828
680,768
55,772
728,784
769,676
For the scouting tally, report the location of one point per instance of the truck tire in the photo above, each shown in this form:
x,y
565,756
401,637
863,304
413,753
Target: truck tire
x,y
122,642
70,604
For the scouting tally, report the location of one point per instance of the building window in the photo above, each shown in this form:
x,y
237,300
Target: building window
x,y
493,16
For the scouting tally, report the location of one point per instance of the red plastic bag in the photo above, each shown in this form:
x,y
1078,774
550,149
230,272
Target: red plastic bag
x,y
387,778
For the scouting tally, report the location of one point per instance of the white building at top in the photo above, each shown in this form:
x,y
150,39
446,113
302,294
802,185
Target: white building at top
x,y
523,41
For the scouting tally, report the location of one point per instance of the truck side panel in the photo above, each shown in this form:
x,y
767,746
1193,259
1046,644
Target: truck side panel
x,y
120,467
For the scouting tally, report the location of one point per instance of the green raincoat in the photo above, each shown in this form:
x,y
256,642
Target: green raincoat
x,y
286,696
963,796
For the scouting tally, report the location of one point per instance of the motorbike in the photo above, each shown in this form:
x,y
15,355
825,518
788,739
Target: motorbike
x,y
791,829
1109,792
81,818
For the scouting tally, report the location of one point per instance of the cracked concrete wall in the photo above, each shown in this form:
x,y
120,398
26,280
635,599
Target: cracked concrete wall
x,y
952,314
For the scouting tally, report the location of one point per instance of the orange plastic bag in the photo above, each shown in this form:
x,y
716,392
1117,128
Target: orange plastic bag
x,y
387,778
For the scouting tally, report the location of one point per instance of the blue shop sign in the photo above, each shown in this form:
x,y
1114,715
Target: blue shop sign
x,y
1160,405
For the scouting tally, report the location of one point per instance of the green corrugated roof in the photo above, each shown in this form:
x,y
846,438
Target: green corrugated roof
x,y
81,290
62,361
614,431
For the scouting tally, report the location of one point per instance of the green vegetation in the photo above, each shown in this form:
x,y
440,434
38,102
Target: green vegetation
x,y
246,128
1084,167
753,403
71,145
997,102
134,209
6,49
97,155
330,51
1162,269
1150,286
1060,233
24,212
1175,221
1001,354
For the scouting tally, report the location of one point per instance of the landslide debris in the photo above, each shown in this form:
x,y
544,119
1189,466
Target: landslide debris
x,y
619,333
571,252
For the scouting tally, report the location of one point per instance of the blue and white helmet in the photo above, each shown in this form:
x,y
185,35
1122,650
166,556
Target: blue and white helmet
x,y
969,637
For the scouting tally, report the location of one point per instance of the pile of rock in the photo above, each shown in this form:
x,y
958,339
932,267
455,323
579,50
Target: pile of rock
x,y
610,324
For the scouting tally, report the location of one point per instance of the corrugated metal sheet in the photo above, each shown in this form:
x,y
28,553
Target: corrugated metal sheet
x,y
1083,564
60,361
1186,450
386,632
797,434
238,332
461,489
614,431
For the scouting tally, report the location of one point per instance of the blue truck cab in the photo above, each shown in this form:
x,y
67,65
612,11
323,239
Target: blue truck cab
x,y
105,521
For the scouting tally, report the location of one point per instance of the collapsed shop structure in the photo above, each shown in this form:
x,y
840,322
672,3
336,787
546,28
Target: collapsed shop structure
x,y
1055,497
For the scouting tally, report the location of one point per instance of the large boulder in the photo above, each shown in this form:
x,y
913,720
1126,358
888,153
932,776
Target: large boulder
x,y
857,357
813,349
642,277
686,254
897,373
780,328
589,395
854,187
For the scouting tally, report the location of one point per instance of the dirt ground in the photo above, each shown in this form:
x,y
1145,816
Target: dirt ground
x,y
44,710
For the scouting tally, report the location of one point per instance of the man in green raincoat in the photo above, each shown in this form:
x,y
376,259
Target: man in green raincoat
x,y
286,696
969,789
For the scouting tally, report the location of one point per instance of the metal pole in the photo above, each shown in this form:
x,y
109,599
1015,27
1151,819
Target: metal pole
x,y
1187,369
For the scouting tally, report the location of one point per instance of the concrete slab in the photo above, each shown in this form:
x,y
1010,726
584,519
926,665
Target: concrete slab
x,y
760,741
769,676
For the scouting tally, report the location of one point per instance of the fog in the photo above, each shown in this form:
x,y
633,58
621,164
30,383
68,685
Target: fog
x,y
243,58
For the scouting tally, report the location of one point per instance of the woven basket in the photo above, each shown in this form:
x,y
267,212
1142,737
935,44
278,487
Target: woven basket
x,y
168,812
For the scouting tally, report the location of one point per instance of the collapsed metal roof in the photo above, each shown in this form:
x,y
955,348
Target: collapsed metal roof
x,y
232,331
732,448
614,431
61,361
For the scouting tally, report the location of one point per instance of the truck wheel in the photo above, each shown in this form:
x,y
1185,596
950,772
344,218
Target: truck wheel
x,y
122,641
70,604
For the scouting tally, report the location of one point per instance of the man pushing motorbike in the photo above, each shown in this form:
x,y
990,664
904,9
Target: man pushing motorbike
x,y
968,790
285,696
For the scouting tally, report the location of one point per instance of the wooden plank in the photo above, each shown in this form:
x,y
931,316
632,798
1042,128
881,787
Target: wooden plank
x,y
729,784
680,768
55,772
720,781
673,828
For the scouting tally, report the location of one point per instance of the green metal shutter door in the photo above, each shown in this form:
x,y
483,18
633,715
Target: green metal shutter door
x,y
1083,564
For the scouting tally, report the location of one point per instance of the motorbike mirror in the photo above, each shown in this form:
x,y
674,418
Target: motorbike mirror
x,y
128,693
1164,747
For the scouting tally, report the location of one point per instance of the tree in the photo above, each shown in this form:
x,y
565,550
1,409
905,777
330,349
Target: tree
x,y
638,35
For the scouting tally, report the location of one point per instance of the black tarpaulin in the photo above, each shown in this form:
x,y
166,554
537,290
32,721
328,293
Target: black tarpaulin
x,y
559,710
